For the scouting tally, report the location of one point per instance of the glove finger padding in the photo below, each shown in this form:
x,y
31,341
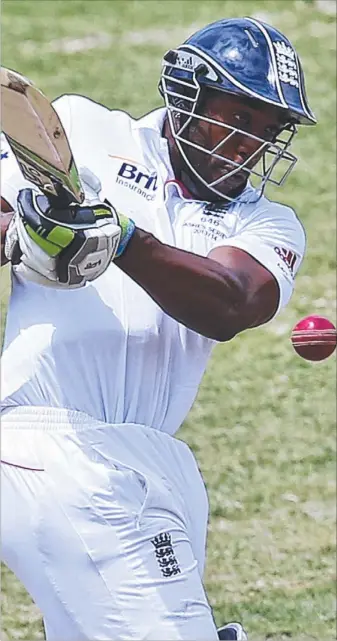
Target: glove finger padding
x,y
68,253
34,265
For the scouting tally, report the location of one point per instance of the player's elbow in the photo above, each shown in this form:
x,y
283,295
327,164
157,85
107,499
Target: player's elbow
x,y
233,313
227,327
223,334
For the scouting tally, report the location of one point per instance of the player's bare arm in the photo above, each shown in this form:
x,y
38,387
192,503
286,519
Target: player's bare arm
x,y
217,296
5,218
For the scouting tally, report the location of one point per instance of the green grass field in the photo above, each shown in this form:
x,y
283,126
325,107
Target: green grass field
x,y
264,424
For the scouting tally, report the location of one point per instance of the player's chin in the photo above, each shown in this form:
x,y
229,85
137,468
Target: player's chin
x,y
229,192
231,185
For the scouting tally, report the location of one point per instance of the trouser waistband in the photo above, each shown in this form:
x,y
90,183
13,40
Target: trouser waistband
x,y
53,419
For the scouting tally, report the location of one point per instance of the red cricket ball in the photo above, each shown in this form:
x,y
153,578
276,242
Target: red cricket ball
x,y
314,338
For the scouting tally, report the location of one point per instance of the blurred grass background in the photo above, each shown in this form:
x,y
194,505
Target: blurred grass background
x,y
264,424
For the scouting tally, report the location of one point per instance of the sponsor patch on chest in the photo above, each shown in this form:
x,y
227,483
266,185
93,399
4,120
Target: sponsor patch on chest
x,y
138,178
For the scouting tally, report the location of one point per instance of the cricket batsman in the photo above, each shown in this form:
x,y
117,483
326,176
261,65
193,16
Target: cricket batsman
x,y
111,322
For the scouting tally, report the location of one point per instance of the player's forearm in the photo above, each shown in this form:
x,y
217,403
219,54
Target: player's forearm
x,y
196,291
5,218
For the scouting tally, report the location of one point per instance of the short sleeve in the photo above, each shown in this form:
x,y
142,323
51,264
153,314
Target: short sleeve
x,y
62,106
276,239
75,111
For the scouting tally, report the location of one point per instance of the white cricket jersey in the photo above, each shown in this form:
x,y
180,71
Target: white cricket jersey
x,y
107,349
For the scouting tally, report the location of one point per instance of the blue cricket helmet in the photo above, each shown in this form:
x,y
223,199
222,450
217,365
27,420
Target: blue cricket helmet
x,y
247,58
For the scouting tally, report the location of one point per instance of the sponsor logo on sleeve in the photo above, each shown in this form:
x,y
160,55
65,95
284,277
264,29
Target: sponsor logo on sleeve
x,y
4,154
288,257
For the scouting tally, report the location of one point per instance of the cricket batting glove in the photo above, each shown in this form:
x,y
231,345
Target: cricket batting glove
x,y
64,248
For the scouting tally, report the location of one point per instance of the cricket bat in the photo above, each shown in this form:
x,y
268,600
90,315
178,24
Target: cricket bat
x,y
38,140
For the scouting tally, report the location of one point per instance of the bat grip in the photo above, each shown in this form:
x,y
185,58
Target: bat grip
x,y
60,205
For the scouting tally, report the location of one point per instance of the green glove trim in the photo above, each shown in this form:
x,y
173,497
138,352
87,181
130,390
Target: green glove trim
x,y
61,236
57,239
102,212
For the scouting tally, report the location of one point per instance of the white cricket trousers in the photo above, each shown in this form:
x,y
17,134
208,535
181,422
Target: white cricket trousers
x,y
105,525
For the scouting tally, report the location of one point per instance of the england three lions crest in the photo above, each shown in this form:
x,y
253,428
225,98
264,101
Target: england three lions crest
x,y
165,555
286,63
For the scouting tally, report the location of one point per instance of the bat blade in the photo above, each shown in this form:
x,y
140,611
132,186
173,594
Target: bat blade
x,y
38,140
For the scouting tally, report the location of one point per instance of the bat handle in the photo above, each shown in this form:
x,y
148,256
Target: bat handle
x,y
61,205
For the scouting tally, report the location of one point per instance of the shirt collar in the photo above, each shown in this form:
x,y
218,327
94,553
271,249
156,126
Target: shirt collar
x,y
154,120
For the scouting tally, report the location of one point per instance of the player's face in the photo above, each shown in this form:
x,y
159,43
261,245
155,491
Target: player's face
x,y
254,117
